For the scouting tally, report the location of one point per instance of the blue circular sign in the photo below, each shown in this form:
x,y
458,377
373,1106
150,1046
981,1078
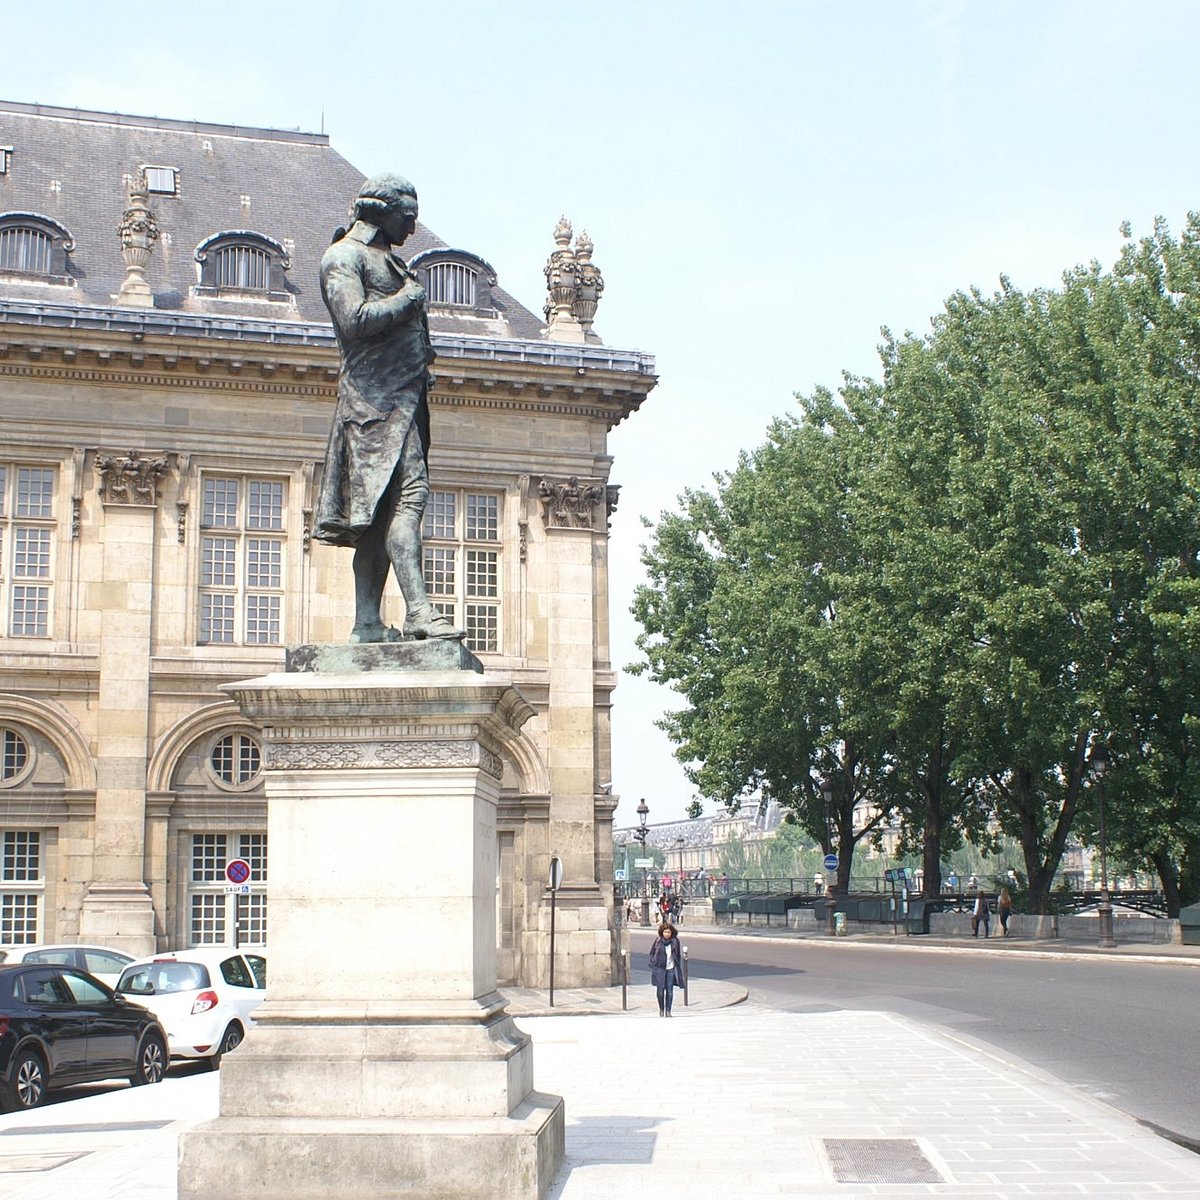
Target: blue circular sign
x,y
831,862
237,870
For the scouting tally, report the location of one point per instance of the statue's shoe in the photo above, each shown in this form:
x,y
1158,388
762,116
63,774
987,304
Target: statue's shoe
x,y
374,633
431,624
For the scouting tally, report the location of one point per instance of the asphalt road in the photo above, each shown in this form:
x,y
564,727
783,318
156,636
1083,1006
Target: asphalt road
x,y
1125,1031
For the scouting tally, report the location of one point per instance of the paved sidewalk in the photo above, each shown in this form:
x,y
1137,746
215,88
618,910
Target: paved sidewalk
x,y
724,1100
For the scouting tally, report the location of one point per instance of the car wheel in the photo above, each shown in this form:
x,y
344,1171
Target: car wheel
x,y
230,1040
26,1086
151,1061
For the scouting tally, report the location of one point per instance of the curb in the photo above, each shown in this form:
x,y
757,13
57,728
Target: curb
x,y
922,943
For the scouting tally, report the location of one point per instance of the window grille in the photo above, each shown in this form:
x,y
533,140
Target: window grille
x,y
15,752
452,283
462,576
22,856
20,910
210,908
29,251
208,919
208,857
242,268
236,759
241,564
27,535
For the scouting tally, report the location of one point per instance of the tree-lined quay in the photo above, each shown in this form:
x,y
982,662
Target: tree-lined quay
x,y
934,597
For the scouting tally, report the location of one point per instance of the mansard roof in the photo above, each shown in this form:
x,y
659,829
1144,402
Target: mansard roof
x,y
72,166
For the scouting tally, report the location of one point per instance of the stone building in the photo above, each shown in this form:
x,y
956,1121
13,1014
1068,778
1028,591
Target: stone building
x,y
167,377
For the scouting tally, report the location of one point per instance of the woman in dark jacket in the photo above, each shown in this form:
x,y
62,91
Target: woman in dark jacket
x,y
666,966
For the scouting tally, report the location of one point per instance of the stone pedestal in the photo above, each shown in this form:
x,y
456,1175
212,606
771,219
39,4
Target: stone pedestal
x,y
384,1063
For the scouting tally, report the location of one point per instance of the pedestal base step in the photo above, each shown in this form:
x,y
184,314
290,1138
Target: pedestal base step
x,y
294,1158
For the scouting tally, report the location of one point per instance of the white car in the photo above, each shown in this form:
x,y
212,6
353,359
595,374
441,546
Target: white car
x,y
203,997
105,964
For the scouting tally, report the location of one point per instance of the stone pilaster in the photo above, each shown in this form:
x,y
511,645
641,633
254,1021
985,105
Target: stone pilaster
x,y
117,909
570,511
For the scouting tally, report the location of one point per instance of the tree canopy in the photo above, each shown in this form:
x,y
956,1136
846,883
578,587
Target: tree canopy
x,y
931,594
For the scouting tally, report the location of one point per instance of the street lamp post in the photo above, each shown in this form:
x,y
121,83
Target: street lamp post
x,y
830,891
643,811
1098,763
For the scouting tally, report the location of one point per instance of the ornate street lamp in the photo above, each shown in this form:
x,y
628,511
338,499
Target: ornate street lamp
x,y
1097,766
826,786
643,811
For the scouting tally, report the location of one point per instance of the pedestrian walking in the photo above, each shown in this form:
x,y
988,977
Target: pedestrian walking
x,y
1004,907
666,967
981,915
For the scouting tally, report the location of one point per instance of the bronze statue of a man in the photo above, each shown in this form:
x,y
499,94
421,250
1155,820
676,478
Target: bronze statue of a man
x,y
376,478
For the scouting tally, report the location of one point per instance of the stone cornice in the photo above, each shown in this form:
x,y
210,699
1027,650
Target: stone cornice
x,y
209,355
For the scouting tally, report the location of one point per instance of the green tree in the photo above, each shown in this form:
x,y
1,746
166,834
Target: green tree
x,y
744,616
936,592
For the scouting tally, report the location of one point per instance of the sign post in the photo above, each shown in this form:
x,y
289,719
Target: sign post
x,y
556,873
237,881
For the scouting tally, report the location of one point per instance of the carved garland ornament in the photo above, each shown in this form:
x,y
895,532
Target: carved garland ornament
x,y
310,756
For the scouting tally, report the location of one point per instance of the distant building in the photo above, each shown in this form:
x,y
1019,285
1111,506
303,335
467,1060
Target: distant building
x,y
167,378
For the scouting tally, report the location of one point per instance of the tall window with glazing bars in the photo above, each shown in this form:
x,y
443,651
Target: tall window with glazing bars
x,y
242,561
27,532
211,911
21,886
461,540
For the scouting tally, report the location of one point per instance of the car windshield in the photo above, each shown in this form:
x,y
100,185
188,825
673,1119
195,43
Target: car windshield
x,y
157,978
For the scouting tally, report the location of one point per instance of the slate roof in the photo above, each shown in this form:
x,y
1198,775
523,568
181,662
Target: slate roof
x,y
70,164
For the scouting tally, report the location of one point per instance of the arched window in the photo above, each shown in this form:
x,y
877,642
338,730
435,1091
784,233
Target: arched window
x,y
34,245
239,262
246,268
14,755
452,283
456,279
236,760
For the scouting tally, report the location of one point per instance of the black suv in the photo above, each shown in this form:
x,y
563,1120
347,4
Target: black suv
x,y
60,1025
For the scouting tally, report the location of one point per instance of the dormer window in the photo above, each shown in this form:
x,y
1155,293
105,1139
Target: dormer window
x,y
455,279
242,263
452,283
161,181
35,246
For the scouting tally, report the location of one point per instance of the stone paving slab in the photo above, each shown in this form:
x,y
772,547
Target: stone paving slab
x,y
739,1102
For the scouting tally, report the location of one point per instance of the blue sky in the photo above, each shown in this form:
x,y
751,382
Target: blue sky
x,y
766,183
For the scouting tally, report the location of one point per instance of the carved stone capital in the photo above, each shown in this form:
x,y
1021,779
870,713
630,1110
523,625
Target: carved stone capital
x,y
132,480
569,503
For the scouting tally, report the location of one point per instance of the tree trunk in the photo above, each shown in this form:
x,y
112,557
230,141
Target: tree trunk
x,y
1170,882
933,788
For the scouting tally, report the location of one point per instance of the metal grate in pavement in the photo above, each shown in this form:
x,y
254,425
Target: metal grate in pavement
x,y
103,1127
879,1160
14,1164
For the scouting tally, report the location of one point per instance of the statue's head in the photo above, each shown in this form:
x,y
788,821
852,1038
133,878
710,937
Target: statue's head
x,y
382,194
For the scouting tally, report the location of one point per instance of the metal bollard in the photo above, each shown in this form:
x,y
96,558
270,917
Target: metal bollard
x,y
686,977
624,980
